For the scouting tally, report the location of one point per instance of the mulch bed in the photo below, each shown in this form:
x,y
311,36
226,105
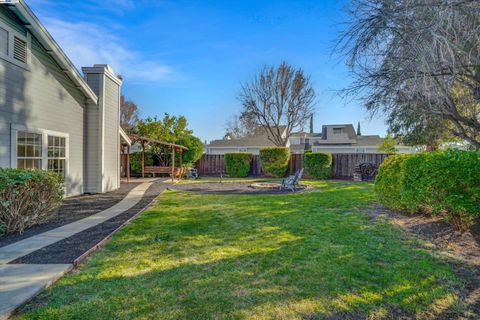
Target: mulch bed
x,y
228,188
462,250
73,209
69,249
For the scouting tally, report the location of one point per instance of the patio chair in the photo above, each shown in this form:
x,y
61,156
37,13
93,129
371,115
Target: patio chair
x,y
292,182
192,173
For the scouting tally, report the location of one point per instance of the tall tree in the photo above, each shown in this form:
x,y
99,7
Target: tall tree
x,y
420,54
129,115
279,99
168,129
359,131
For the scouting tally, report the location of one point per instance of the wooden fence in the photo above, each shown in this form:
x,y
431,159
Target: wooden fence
x,y
343,164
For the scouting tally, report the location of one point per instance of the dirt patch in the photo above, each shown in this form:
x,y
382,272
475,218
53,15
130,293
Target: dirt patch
x,y
69,249
230,188
462,250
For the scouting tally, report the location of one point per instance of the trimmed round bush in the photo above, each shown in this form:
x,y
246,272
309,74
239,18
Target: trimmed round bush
x,y
318,165
442,182
237,164
388,182
27,197
275,161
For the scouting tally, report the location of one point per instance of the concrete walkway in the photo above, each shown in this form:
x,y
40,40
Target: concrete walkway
x,y
21,282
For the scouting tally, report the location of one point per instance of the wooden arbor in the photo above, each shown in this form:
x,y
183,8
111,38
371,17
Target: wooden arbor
x,y
144,142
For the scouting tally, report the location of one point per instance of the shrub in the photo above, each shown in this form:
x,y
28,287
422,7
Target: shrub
x,y
389,181
238,164
446,182
27,197
275,161
136,161
440,182
194,152
318,165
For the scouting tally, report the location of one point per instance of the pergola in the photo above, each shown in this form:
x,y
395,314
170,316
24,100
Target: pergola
x,y
144,142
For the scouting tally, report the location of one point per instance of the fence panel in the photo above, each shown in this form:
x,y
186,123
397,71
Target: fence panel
x,y
343,164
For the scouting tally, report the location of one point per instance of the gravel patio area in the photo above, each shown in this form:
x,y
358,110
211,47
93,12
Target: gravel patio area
x,y
229,188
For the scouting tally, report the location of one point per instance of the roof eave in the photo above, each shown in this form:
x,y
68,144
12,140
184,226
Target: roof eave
x,y
34,25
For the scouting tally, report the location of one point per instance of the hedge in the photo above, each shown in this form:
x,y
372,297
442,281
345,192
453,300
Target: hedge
x,y
389,179
274,161
318,165
238,164
27,197
441,182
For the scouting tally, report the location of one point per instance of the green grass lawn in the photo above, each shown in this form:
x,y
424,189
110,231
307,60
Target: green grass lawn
x,y
310,255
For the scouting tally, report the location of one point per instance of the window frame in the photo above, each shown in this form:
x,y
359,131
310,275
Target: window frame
x,y
57,158
27,157
44,133
12,33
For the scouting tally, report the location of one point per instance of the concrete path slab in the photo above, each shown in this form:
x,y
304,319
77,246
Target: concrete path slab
x,y
21,282
29,245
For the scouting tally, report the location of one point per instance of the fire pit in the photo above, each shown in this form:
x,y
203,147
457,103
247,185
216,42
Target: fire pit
x,y
266,185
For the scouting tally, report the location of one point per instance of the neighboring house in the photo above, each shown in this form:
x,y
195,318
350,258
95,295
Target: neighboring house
x,y
339,138
51,117
252,143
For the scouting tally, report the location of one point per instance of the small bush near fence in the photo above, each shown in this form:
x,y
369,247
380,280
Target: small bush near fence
x,y
274,161
440,182
318,165
237,164
27,197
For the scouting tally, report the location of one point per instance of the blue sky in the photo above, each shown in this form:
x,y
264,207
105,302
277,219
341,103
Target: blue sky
x,y
189,57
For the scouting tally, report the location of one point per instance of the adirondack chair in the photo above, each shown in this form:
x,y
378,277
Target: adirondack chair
x,y
192,173
292,182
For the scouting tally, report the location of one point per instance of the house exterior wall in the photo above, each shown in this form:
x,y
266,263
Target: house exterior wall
x,y
39,97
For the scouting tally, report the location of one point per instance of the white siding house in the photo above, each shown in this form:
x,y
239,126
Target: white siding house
x,y
52,117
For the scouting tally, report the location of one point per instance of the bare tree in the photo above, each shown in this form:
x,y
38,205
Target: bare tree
x,y
240,126
129,115
417,53
279,99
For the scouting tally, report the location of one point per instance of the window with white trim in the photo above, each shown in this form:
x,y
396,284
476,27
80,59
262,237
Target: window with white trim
x,y
29,150
56,154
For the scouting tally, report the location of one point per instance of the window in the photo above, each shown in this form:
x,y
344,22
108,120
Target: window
x,y
3,41
19,49
56,154
337,130
29,150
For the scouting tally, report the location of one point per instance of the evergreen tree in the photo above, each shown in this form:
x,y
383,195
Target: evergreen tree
x,y
359,132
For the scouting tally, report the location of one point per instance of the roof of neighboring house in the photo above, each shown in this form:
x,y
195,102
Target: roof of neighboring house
x,y
259,139
31,22
373,140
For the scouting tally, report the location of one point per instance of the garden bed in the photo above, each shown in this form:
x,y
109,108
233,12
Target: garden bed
x,y
440,234
73,209
233,188
69,249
